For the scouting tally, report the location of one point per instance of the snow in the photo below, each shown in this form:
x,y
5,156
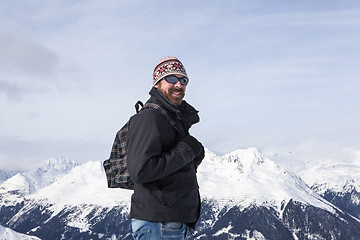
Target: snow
x,y
242,178
253,235
224,230
84,184
4,175
49,172
336,175
245,177
8,234
31,182
82,190
16,183
330,173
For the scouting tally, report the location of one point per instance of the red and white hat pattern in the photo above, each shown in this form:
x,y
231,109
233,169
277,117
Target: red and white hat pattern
x,y
168,66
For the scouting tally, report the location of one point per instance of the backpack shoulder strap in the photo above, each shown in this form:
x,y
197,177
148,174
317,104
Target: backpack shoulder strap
x,y
166,115
137,106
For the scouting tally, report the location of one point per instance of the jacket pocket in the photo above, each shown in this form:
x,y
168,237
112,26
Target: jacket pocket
x,y
179,192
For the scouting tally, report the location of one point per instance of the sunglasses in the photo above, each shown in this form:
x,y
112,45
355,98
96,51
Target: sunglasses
x,y
173,79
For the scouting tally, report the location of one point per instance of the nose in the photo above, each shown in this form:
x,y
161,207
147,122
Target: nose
x,y
178,84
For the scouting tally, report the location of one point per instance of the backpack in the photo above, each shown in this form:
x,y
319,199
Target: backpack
x,y
115,167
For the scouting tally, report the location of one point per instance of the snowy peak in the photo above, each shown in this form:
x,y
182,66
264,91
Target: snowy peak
x,y
59,164
246,159
5,175
49,172
334,175
8,234
45,175
250,178
244,176
84,184
17,184
242,188
251,155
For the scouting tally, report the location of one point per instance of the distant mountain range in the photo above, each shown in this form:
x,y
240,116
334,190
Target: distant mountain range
x,y
244,196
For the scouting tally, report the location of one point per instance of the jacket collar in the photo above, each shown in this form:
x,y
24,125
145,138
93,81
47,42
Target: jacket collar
x,y
183,111
159,98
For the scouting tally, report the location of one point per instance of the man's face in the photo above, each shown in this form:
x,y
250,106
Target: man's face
x,y
173,92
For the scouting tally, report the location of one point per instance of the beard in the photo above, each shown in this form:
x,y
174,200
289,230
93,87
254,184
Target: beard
x,y
173,94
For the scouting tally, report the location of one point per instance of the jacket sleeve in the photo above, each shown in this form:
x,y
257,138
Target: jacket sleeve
x,y
148,160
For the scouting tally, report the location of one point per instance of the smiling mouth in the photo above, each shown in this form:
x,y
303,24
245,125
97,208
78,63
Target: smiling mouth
x,y
177,93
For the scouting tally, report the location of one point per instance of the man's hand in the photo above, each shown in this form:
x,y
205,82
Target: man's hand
x,y
194,144
197,147
198,159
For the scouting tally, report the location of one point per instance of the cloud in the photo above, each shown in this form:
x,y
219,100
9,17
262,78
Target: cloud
x,y
11,90
19,56
29,67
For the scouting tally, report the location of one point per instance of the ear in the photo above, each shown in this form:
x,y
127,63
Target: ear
x,y
157,84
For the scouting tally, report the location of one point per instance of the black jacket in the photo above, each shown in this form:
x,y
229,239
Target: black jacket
x,y
161,165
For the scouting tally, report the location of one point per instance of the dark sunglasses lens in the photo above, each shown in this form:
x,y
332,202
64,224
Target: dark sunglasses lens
x,y
183,80
171,79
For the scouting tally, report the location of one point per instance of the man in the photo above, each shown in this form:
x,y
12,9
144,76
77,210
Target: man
x,y
163,158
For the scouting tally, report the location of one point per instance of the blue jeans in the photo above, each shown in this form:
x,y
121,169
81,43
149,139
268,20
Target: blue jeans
x,y
144,230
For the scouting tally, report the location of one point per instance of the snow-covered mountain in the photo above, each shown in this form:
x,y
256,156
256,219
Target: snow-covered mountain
x,y
244,196
249,177
5,175
8,234
30,182
336,181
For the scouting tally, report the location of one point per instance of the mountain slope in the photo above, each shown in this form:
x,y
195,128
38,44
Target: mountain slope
x,y
5,175
256,198
30,182
244,196
250,178
336,181
339,183
8,234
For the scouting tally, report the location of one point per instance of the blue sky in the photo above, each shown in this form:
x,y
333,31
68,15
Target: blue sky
x,y
282,76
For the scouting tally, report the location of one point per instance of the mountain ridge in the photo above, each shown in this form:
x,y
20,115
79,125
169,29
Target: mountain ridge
x,y
241,185
8,234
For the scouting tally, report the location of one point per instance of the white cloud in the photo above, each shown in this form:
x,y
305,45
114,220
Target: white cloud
x,y
20,56
12,91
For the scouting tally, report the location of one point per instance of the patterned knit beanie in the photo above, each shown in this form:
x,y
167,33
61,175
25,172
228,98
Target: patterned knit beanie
x,y
168,66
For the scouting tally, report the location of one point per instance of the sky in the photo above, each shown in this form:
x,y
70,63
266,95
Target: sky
x,y
281,76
